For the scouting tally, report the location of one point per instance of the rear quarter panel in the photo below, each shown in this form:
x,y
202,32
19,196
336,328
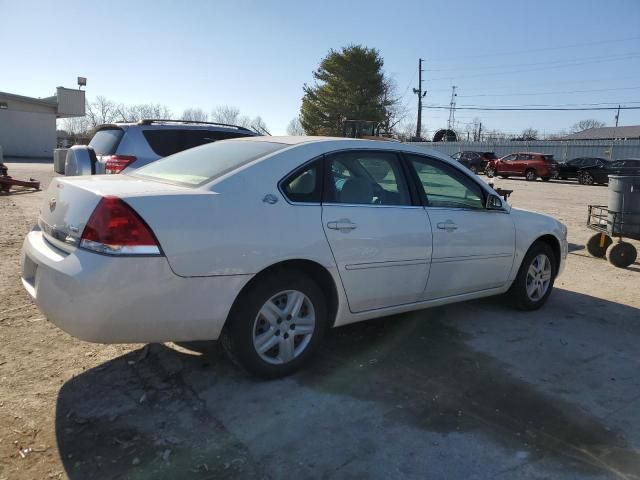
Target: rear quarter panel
x,y
227,229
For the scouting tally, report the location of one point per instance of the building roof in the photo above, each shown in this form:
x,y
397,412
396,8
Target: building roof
x,y
606,133
48,102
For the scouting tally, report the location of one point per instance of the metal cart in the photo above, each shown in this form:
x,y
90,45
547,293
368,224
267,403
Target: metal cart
x,y
610,225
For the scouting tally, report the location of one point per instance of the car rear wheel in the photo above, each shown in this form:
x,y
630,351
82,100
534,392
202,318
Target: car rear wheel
x,y
474,169
585,178
598,244
534,282
530,175
276,325
621,254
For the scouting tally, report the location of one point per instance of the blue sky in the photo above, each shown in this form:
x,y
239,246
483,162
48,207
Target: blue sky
x,y
256,55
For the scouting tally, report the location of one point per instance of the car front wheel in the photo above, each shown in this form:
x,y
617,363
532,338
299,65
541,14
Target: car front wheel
x,y
530,175
490,171
535,278
276,325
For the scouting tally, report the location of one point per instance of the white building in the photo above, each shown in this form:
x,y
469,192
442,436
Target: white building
x,y
28,125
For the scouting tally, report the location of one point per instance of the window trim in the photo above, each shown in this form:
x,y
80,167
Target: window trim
x,y
456,174
398,154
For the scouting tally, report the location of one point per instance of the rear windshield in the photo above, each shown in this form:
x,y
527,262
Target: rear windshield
x,y
105,142
200,165
167,142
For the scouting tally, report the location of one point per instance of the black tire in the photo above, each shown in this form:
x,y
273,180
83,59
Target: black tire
x,y
530,175
237,337
517,294
474,169
621,254
490,172
586,179
593,245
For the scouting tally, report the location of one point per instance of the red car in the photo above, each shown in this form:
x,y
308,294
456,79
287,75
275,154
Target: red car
x,y
524,164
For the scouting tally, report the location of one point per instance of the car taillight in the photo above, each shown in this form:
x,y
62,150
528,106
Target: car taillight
x,y
114,228
117,163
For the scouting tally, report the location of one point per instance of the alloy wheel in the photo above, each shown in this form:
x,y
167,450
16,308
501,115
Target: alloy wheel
x,y
283,327
538,277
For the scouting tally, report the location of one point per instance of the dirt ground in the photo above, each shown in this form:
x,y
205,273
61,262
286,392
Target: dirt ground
x,y
473,390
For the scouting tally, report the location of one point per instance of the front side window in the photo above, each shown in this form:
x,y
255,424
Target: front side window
x,y
365,178
509,158
445,187
304,186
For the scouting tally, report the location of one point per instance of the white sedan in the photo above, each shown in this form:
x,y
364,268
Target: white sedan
x,y
265,242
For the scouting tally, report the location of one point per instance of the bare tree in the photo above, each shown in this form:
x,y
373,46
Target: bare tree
x,y
258,125
406,131
295,127
101,110
75,125
195,115
528,134
395,111
134,113
586,124
226,114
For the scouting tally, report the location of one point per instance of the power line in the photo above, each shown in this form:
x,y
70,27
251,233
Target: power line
x,y
542,109
545,49
563,65
549,63
562,92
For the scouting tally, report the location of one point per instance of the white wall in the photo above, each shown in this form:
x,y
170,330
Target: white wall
x,y
27,134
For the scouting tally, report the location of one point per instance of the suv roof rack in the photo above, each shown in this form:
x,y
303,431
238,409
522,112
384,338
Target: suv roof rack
x,y
151,121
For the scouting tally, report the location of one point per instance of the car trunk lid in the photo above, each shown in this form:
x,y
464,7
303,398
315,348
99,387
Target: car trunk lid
x,y
70,201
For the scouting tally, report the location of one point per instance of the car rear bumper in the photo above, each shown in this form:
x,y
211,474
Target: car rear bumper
x,y
108,299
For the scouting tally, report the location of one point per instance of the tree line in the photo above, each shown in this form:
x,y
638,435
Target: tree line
x,y
102,110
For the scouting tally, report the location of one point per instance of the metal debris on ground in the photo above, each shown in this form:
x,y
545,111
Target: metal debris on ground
x,y
6,181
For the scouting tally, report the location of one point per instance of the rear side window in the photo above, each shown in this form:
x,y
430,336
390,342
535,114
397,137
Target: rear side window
x,y
106,141
304,186
200,165
167,142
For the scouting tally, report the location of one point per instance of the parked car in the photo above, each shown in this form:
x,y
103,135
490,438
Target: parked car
x,y
571,168
127,146
265,242
524,164
600,173
474,161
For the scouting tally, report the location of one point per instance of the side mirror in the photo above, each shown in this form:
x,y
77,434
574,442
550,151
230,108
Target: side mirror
x,y
494,202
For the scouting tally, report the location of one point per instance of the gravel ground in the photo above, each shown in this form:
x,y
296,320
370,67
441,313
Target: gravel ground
x,y
473,390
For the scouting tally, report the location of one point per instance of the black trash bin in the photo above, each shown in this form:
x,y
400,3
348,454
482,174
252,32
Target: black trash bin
x,y
624,205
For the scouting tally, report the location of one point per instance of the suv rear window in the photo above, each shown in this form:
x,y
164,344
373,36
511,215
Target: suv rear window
x,y
167,142
106,141
200,165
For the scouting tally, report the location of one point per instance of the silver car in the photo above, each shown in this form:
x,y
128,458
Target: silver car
x,y
117,147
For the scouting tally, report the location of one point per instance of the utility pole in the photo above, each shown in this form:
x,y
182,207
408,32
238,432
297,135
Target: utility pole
x,y
617,116
452,109
418,91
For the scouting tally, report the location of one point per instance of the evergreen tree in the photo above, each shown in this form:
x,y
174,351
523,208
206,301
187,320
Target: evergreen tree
x,y
350,85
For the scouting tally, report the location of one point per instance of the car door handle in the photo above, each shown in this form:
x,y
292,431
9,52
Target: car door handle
x,y
449,226
344,225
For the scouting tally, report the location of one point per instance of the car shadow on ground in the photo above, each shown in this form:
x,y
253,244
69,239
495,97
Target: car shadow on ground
x,y
162,412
